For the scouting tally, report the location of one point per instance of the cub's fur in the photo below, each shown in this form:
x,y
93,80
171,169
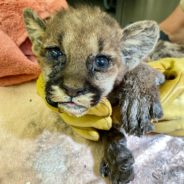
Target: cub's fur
x,y
85,55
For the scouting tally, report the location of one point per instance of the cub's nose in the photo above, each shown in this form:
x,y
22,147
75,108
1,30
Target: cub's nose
x,y
72,92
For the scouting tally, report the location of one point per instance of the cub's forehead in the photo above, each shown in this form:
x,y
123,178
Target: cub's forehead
x,y
87,16
82,22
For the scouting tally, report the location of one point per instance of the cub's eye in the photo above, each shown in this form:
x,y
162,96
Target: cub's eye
x,y
102,62
54,53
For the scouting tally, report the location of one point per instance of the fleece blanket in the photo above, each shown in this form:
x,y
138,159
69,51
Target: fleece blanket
x,y
17,63
36,147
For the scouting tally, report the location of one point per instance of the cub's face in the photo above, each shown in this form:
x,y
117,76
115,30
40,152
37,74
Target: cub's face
x,y
83,53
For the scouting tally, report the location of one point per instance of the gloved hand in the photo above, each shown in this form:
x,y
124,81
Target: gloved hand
x,y
98,117
172,96
172,100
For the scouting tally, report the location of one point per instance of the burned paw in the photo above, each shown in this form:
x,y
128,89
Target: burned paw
x,y
137,116
140,101
118,164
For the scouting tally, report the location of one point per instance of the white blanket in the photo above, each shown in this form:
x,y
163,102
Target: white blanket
x,y
36,147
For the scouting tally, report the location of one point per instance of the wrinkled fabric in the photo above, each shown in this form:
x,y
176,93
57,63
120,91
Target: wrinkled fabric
x,y
17,63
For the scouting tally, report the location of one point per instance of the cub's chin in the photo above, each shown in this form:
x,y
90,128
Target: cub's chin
x,y
72,109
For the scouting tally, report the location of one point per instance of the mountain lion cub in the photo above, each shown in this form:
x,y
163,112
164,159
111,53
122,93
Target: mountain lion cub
x,y
85,55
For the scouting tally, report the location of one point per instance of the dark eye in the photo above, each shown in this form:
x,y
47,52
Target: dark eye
x,y
102,62
54,53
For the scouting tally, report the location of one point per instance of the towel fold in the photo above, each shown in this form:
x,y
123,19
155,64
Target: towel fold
x,y
17,63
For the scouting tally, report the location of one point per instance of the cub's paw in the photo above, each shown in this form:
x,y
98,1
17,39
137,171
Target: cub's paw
x,y
117,164
137,113
140,101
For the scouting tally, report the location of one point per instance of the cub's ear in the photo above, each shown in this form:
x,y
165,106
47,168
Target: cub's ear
x,y
138,41
35,26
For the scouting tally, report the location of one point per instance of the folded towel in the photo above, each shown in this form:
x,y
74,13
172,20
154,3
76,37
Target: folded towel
x,y
17,63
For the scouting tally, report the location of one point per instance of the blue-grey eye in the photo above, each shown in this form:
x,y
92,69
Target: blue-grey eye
x,y
102,62
54,53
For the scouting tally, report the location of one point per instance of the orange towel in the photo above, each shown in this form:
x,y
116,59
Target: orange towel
x,y
17,63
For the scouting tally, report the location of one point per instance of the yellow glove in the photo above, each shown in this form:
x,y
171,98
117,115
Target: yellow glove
x,y
172,96
98,117
172,99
